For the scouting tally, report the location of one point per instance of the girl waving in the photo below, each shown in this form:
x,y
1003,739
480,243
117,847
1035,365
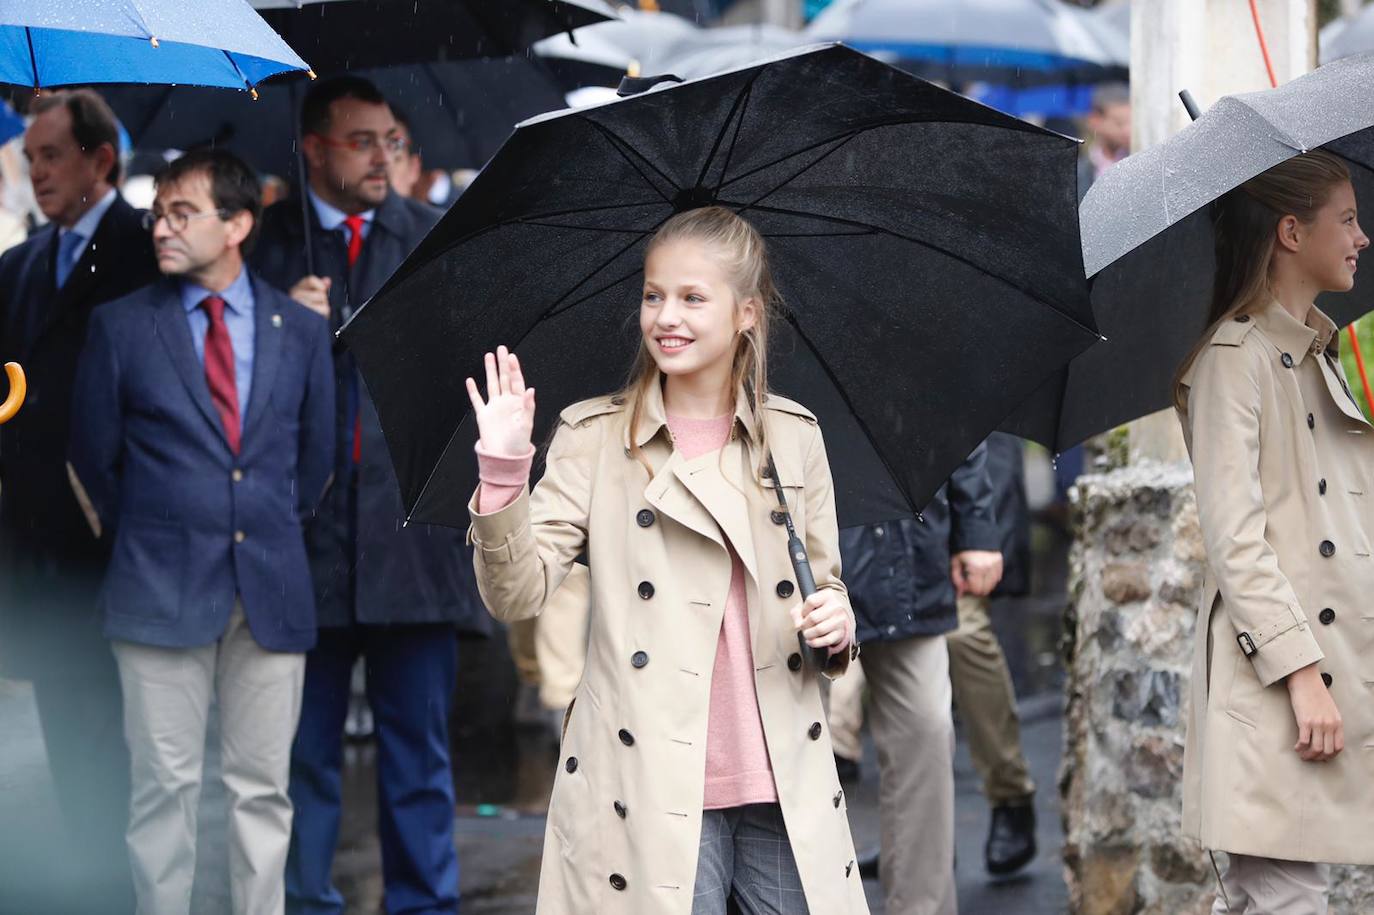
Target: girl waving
x,y
695,764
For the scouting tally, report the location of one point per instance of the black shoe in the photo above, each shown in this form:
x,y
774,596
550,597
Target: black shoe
x,y
868,864
1011,838
847,769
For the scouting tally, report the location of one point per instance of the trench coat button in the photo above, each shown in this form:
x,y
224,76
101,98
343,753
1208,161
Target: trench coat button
x,y
639,659
1327,549
815,730
645,518
627,738
1311,421
794,661
1327,616
620,810
777,517
646,590
785,588
618,882
240,536
237,475
1321,487
1326,679
571,765
1287,361
1242,319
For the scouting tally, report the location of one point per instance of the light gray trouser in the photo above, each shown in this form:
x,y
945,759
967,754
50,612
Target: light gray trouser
x,y
1268,886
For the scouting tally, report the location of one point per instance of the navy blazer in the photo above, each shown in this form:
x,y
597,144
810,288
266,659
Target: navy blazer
x,y
367,567
50,564
193,524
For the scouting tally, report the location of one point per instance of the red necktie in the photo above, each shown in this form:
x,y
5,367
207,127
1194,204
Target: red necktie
x,y
219,370
355,248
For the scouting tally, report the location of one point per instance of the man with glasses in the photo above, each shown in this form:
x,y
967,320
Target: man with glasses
x,y
90,252
204,441
393,594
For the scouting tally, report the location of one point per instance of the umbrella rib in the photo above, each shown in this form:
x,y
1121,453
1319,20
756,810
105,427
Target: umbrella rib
x,y
839,140
236,69
553,309
791,318
617,143
741,100
734,140
33,61
614,230
783,211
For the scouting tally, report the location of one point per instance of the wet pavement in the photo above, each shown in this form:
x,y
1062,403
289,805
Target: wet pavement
x,y
503,772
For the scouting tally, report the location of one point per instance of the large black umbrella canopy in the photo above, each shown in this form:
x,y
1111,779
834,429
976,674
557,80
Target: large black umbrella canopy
x,y
926,248
459,111
336,35
1148,243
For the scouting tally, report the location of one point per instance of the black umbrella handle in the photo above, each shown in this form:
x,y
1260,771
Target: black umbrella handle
x,y
818,658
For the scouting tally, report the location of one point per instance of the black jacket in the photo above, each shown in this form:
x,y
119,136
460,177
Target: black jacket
x,y
50,562
366,567
897,572
1006,469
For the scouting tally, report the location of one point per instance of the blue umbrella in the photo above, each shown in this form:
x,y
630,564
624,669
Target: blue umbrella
x,y
1007,42
65,42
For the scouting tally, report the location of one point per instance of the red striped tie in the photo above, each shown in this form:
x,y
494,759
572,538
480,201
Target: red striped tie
x,y
219,370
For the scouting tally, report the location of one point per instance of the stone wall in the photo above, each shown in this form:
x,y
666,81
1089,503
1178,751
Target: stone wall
x,y
1136,572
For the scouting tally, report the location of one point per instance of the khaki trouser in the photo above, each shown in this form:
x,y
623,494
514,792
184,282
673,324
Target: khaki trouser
x,y
982,691
167,697
1268,886
908,681
551,649
987,704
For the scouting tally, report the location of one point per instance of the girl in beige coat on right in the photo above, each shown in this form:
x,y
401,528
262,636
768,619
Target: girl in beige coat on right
x,y
1279,759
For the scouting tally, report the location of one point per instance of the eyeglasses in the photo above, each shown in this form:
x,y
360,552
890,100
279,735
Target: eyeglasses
x,y
367,143
178,220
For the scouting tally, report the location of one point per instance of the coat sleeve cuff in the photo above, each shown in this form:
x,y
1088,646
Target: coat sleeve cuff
x,y
503,535
1290,650
975,535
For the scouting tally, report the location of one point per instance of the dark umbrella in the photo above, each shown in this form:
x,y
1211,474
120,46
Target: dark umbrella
x,y
337,35
926,248
1148,244
460,112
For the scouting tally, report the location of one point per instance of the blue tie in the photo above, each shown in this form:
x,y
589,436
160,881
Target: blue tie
x,y
67,250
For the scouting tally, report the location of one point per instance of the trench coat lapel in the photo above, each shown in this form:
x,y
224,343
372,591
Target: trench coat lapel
x,y
715,481
1339,389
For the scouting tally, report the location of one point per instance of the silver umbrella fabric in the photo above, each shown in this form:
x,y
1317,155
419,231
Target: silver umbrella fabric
x,y
1148,243
926,248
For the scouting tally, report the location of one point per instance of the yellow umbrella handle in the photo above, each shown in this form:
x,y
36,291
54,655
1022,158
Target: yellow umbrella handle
x,y
18,388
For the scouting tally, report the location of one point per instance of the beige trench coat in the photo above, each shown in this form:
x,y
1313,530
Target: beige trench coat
x,y
625,817
1284,467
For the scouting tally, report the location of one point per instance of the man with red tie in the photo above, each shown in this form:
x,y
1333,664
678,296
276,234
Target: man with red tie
x,y
202,440
392,594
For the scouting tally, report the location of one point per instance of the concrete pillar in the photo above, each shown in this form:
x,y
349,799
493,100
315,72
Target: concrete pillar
x,y
1208,47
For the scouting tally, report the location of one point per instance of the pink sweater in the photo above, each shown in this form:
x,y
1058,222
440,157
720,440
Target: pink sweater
x,y
738,771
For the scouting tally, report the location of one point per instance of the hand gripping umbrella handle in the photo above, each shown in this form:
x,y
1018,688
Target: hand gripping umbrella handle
x,y
819,658
18,388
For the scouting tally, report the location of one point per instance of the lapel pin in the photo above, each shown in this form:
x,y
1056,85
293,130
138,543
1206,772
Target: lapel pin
x,y
276,320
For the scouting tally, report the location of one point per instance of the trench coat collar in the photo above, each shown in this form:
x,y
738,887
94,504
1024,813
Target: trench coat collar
x,y
1292,336
653,418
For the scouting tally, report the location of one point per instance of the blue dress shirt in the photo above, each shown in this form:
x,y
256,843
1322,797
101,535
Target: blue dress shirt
x,y
238,319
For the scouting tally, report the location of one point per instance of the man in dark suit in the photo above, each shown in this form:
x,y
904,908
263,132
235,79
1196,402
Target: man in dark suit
x,y
93,250
392,594
204,440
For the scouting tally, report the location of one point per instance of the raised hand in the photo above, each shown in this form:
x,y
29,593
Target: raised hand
x,y
505,420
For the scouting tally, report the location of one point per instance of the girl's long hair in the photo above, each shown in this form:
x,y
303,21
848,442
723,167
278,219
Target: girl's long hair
x,y
744,258
1244,223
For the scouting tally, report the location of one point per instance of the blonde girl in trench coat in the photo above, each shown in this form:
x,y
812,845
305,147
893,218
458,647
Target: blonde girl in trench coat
x,y
695,765
1279,760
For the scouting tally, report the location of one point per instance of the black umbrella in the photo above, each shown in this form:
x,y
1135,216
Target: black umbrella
x,y
1148,244
336,35
460,112
926,248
